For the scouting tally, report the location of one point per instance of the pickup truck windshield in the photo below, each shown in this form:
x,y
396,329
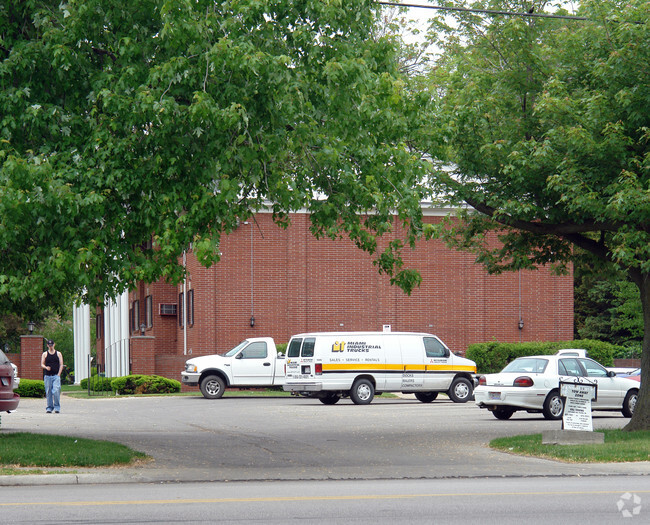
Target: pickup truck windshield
x,y
232,352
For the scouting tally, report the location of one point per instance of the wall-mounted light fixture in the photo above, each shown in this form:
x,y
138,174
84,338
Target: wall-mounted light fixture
x,y
142,328
520,325
252,321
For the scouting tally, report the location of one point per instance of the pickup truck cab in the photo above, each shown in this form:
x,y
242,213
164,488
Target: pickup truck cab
x,y
254,362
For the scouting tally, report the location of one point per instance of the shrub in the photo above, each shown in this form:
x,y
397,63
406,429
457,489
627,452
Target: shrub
x,y
281,348
493,356
97,384
142,384
31,388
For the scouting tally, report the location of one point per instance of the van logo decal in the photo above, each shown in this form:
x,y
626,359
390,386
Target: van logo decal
x,y
338,346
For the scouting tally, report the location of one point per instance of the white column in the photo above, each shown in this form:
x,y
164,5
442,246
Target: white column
x,y
81,334
116,336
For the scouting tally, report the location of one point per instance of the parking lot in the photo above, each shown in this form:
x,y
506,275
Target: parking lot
x,y
248,438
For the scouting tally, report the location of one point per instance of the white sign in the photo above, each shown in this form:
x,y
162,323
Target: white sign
x,y
577,407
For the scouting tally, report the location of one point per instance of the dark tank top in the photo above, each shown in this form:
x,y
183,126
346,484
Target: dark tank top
x,y
52,360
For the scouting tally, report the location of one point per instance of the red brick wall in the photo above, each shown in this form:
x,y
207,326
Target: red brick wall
x,y
303,284
31,352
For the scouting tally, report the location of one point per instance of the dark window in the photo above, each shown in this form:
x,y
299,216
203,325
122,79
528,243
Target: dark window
x,y
135,316
294,348
148,311
308,347
190,308
434,348
256,350
180,309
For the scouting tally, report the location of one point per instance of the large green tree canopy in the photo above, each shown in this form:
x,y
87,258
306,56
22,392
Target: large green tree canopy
x,y
547,123
171,120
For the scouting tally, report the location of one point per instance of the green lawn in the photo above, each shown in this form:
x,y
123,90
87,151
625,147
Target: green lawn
x,y
23,449
619,446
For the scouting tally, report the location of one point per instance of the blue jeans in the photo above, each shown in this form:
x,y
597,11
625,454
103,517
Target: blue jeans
x,y
53,392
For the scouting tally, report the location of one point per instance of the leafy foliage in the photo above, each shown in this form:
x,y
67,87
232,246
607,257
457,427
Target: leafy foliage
x,y
546,126
492,357
30,388
123,123
143,384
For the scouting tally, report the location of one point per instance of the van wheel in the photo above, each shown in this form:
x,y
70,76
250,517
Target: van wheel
x,y
426,397
460,390
212,387
630,403
330,399
362,392
553,406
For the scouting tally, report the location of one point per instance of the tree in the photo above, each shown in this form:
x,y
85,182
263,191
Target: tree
x,y
547,127
132,130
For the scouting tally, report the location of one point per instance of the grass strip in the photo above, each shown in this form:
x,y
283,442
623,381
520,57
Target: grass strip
x,y
25,449
620,446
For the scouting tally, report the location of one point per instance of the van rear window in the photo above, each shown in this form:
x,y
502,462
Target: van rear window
x,y
294,348
308,347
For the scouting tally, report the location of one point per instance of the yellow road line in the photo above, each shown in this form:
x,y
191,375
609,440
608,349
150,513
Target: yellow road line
x,y
313,498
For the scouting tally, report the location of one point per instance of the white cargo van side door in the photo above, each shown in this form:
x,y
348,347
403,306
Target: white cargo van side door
x,y
253,366
412,377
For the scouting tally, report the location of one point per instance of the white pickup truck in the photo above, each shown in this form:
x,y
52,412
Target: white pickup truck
x,y
254,362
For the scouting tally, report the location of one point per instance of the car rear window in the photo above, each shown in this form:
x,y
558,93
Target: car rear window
x,y
530,365
4,360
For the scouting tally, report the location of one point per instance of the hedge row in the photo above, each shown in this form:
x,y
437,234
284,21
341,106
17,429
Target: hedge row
x,y
133,384
31,388
492,357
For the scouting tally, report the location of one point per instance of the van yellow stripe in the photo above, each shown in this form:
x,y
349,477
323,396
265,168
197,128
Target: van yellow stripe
x,y
365,367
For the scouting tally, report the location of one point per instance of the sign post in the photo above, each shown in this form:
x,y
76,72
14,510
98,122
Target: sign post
x,y
578,396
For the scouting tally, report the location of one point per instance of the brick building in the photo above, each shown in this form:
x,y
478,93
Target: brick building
x,y
276,282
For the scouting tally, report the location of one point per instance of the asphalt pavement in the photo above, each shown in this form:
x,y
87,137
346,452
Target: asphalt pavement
x,y
279,438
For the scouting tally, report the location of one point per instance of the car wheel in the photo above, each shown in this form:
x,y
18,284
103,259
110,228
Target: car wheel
x,y
553,406
503,412
212,387
630,403
362,392
426,397
460,390
330,399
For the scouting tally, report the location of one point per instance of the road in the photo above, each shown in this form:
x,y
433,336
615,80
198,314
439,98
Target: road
x,y
594,500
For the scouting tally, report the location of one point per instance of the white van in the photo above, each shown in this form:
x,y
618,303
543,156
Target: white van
x,y
331,365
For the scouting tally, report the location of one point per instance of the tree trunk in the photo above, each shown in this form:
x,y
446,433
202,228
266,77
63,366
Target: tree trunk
x,y
641,418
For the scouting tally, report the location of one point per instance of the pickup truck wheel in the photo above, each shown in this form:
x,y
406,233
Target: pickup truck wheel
x,y
426,397
212,387
330,399
460,390
362,392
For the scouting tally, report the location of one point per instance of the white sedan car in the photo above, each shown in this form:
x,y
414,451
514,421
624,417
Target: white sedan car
x,y
532,384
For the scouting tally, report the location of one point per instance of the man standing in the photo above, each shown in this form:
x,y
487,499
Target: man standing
x,y
52,363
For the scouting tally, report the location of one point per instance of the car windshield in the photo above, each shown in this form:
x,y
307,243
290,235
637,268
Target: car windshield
x,y
531,365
